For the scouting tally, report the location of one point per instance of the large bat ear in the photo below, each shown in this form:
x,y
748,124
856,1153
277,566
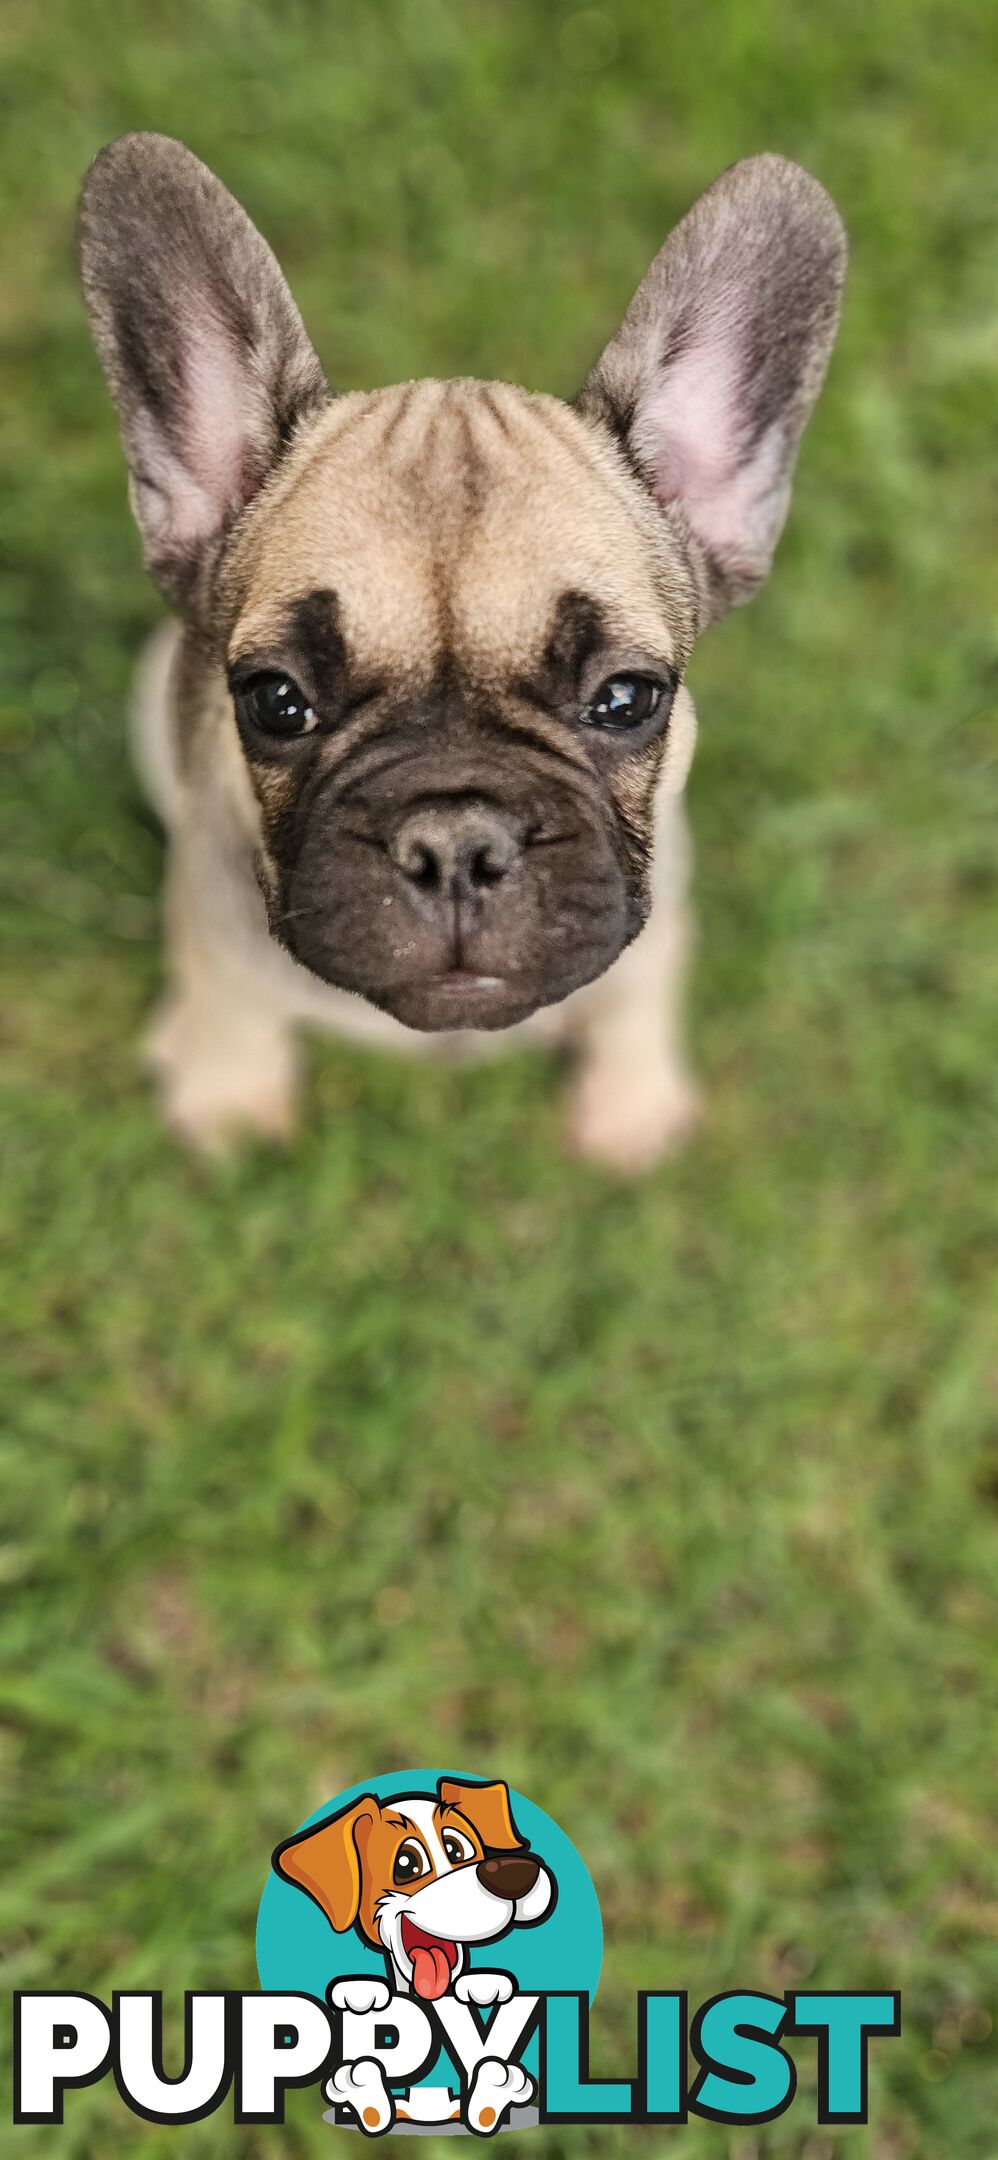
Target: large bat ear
x,y
327,1860
487,1809
719,359
202,345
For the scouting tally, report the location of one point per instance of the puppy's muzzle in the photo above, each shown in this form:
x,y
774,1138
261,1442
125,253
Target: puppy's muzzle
x,y
456,851
508,1875
467,903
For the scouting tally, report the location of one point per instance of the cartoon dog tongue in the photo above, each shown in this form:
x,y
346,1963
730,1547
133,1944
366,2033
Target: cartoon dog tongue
x,y
430,1970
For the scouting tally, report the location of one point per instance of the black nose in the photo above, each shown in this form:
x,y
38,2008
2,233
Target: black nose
x,y
508,1875
458,848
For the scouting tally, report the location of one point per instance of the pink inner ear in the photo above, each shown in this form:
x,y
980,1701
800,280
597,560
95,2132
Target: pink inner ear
x,y
688,432
200,478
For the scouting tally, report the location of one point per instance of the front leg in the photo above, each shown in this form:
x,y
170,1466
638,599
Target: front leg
x,y
634,1098
360,2086
221,1046
360,1995
496,2088
486,1989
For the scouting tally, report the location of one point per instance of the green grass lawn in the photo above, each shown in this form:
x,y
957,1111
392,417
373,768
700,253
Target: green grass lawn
x,y
670,1504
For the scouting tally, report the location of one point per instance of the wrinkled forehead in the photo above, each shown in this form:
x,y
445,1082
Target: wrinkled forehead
x,y
454,515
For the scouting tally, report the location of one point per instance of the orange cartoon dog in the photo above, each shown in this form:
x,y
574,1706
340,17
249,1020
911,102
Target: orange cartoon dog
x,y
423,1878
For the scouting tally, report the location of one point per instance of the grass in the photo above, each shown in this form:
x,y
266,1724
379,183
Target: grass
x,y
672,1505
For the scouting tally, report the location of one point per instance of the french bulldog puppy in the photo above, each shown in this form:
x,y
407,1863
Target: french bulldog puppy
x,y
419,734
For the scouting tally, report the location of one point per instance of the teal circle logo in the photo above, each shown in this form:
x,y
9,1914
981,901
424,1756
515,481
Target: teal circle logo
x,y
429,1886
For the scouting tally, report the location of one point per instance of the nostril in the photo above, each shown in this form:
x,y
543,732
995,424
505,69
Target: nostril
x,y
487,866
423,869
418,861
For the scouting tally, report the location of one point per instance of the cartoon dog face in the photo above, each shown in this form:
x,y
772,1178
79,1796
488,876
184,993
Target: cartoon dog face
x,y
422,1877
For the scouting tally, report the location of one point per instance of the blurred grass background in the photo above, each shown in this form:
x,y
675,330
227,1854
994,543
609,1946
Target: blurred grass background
x,y
670,1504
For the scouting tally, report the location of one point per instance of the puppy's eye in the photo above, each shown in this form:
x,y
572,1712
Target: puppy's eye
x,y
624,701
275,704
457,1847
410,1863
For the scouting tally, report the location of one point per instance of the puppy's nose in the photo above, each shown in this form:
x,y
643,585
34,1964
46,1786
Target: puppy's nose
x,y
459,848
508,1875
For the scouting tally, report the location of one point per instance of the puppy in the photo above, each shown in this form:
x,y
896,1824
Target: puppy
x,y
422,1879
420,734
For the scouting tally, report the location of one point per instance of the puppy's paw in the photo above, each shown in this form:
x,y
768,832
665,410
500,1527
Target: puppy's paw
x,y
361,2087
215,1091
495,2088
483,1988
360,1995
216,1126
628,1123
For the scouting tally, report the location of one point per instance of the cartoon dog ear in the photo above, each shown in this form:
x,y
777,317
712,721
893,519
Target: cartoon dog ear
x,y
326,1861
202,345
487,1809
718,361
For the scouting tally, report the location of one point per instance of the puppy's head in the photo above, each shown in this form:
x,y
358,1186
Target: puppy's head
x,y
422,1877
454,617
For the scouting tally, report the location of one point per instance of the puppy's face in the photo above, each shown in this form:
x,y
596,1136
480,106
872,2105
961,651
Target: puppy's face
x,y
422,1877
453,617
457,636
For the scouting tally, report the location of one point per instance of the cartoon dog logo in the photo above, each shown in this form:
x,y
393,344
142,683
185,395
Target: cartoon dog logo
x,y
424,1878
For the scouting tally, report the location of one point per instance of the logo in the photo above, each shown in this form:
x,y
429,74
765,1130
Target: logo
x,y
429,1947
432,1913
454,1935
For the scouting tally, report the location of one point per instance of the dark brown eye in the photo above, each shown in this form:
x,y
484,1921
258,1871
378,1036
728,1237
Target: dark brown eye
x,y
410,1863
274,704
624,701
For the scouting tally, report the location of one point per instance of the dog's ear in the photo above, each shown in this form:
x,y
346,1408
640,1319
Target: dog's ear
x,y
718,361
487,1809
327,1860
201,343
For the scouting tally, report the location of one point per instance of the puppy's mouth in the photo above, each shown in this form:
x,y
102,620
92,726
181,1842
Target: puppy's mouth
x,y
463,982
462,978
433,1960
457,997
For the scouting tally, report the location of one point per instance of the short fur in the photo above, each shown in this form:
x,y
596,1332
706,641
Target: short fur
x,y
449,571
